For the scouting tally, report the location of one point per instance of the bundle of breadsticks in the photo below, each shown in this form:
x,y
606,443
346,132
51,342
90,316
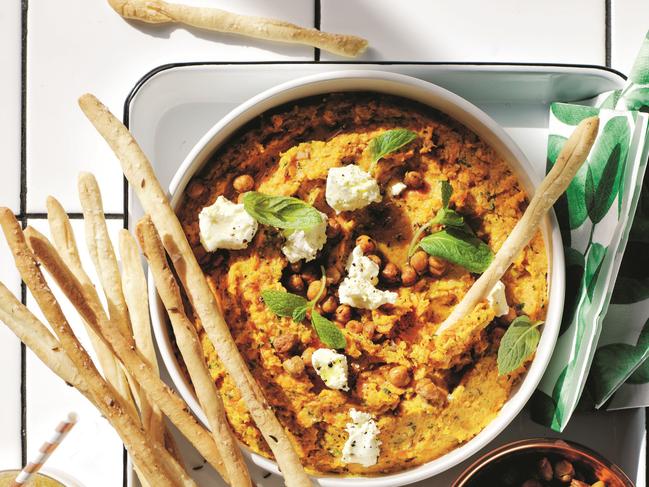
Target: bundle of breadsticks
x,y
125,384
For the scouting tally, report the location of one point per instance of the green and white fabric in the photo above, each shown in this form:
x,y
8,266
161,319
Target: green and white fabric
x,y
596,216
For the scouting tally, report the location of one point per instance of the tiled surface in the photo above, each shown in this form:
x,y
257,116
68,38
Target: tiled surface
x,y
10,65
555,31
94,50
92,453
629,24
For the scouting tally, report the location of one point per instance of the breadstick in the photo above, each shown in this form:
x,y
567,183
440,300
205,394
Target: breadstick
x,y
192,353
114,409
48,349
102,252
135,293
88,306
570,159
142,179
65,243
160,12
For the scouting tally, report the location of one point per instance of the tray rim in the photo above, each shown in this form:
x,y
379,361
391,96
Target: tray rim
x,y
144,79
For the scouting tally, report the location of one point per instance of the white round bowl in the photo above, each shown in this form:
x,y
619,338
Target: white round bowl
x,y
459,109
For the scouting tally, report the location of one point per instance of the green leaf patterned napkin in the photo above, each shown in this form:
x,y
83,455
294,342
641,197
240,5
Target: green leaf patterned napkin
x,y
596,219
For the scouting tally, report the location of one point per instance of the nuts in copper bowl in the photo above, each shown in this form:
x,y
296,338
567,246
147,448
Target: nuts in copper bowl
x,y
543,463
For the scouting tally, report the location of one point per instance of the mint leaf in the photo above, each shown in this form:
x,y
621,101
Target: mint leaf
x,y
282,303
447,192
327,331
449,218
459,247
281,211
517,344
299,313
389,142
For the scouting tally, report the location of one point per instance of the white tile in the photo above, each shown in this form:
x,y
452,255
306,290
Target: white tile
x,y
93,452
83,46
629,25
10,444
553,31
10,101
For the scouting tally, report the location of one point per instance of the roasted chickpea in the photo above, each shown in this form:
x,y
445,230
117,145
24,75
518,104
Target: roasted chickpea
x,y
408,275
294,366
368,330
309,274
343,313
564,471
376,259
544,468
295,283
196,189
285,343
333,228
431,392
436,266
306,356
496,335
330,304
399,376
390,273
413,179
419,261
333,276
366,244
243,183
354,326
313,290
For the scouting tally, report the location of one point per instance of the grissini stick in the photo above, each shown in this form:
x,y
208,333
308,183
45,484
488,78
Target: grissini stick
x,y
192,353
88,306
48,349
102,252
65,243
134,437
214,19
136,295
104,260
140,174
572,156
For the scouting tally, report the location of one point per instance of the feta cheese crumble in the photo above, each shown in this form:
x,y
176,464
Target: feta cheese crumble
x,y
397,188
362,446
331,366
350,188
358,288
305,244
498,300
225,225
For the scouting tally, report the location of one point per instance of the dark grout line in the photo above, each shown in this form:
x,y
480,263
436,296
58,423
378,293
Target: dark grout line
x,y
317,13
608,37
23,208
71,216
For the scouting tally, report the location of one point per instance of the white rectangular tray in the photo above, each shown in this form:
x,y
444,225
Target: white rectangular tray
x,y
173,106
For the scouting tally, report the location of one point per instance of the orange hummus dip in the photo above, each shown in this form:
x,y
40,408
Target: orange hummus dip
x,y
428,395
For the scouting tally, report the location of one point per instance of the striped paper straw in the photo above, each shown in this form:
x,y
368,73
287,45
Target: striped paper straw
x,y
46,450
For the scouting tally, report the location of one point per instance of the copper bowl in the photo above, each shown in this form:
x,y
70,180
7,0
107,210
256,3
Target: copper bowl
x,y
487,468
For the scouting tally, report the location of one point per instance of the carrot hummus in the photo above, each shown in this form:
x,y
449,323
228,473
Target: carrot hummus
x,y
379,380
